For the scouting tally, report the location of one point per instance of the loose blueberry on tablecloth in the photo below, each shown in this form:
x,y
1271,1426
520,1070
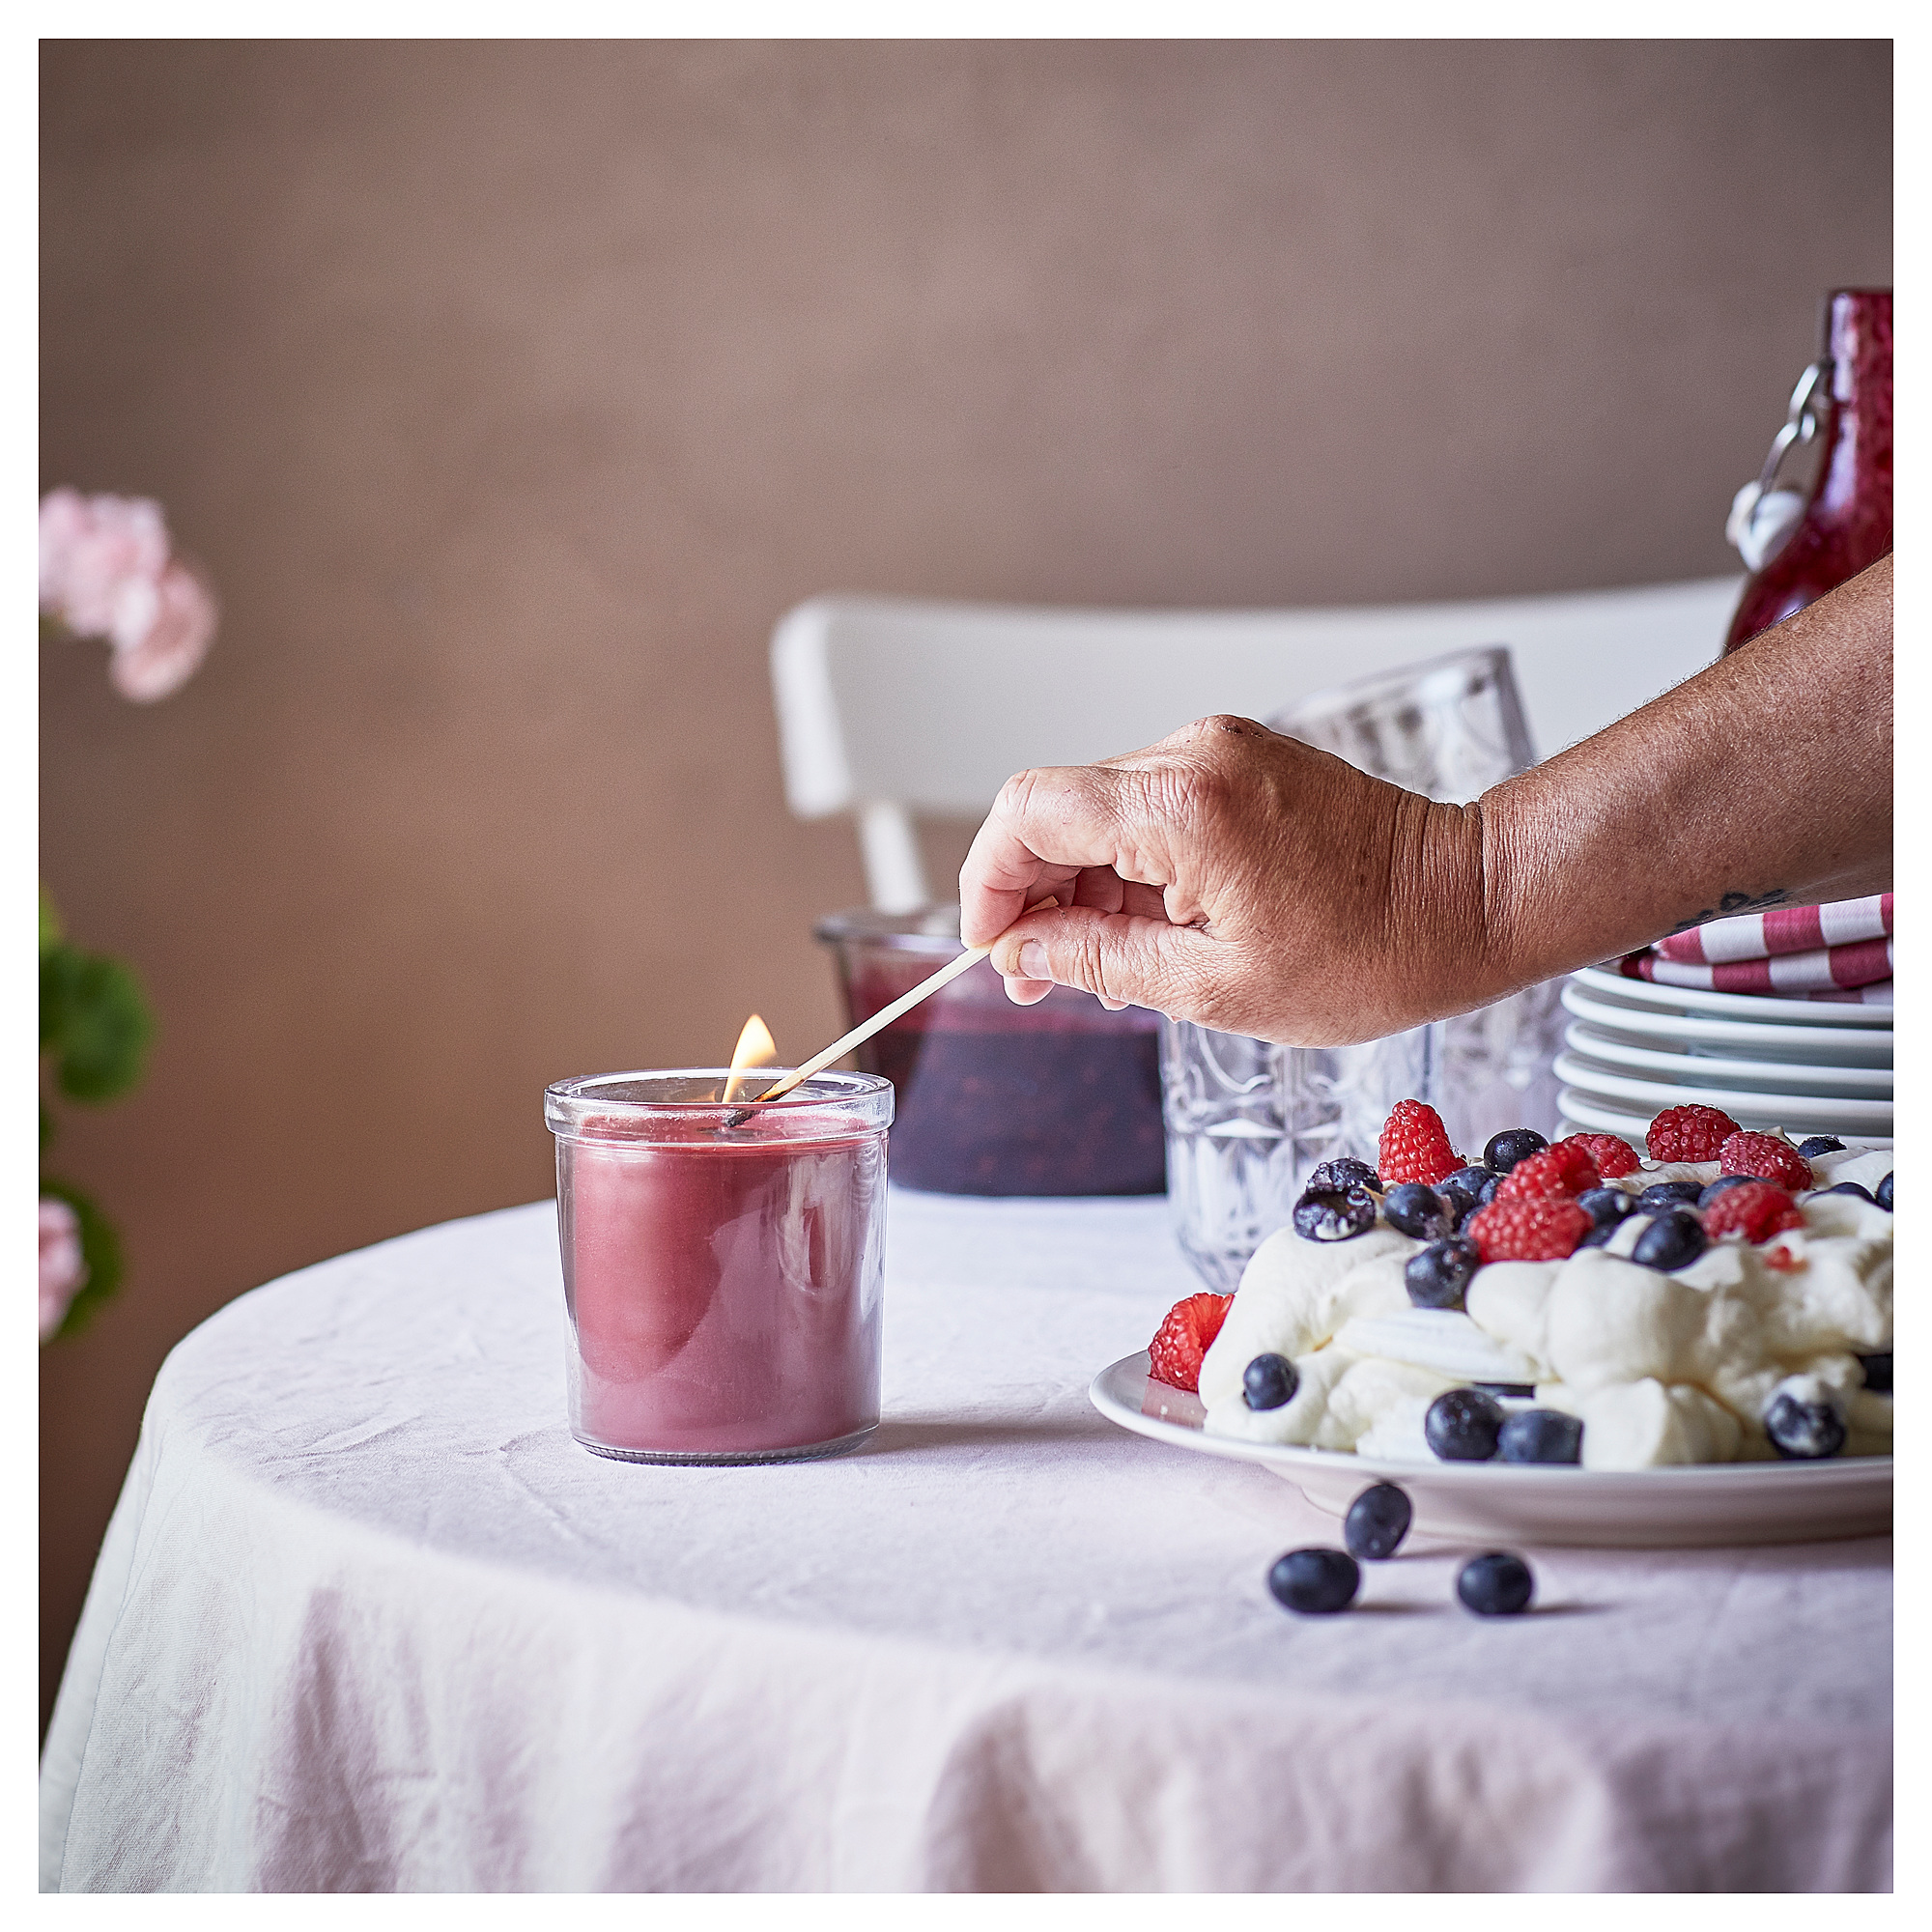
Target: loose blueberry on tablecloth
x,y
1315,1582
1495,1584
1377,1520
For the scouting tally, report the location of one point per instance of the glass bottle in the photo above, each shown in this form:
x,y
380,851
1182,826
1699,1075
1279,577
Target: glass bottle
x,y
1847,522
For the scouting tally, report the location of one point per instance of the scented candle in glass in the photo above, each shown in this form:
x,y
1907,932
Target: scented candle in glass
x,y
724,1263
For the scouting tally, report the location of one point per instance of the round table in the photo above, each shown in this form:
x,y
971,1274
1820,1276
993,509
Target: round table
x,y
366,1619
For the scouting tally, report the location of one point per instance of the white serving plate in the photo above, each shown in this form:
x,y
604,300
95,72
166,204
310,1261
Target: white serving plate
x,y
1814,1111
1525,1503
1700,1070
1756,1008
1588,1112
1816,1046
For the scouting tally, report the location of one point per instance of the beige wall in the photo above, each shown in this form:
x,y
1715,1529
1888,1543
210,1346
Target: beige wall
x,y
512,392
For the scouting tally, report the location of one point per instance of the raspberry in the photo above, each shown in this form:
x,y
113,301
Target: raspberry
x,y
1614,1157
1174,1355
1688,1133
1766,1157
1527,1231
1559,1173
1758,1211
1415,1145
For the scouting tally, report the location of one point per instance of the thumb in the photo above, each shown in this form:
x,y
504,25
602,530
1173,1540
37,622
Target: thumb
x,y
1126,958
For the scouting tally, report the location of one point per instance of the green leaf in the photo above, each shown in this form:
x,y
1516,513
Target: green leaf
x,y
95,1022
100,1249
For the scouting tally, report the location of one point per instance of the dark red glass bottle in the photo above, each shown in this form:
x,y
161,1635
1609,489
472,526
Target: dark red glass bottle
x,y
1847,525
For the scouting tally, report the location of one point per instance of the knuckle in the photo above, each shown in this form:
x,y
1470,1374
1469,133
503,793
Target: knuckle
x,y
1016,795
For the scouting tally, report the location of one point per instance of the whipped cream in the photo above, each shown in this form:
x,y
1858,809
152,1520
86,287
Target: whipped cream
x,y
1662,1368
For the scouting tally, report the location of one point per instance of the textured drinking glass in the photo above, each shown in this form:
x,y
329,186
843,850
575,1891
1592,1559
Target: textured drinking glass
x,y
723,1267
1245,1119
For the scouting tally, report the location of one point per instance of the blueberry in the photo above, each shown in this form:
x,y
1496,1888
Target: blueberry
x,y
1672,1240
1439,1276
1495,1585
1268,1382
1804,1430
1606,1206
1505,1150
1334,1214
1598,1238
1338,1175
1661,1194
1851,1188
1315,1581
1723,1184
1414,1208
1377,1520
1469,1179
1487,1193
1883,1194
1878,1371
1462,1426
1820,1144
1459,1200
1542,1435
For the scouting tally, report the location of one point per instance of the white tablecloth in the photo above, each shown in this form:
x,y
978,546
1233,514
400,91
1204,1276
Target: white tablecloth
x,y
366,1618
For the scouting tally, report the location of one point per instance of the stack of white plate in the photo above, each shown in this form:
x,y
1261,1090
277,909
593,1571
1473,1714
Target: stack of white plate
x,y
1810,1066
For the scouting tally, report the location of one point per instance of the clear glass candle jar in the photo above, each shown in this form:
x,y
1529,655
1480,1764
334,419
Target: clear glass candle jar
x,y
724,1264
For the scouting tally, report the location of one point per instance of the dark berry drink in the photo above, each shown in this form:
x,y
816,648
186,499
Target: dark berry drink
x,y
1058,1099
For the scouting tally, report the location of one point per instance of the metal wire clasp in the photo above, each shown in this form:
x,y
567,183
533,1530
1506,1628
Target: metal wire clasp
x,y
1762,517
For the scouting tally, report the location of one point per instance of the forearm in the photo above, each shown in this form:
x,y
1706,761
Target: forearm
x,y
1763,781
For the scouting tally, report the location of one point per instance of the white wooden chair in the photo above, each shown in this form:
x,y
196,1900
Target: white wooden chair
x,y
897,708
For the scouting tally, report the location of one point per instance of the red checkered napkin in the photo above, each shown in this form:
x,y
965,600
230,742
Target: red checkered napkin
x,y
1769,935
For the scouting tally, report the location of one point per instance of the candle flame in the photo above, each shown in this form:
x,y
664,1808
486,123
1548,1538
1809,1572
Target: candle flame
x,y
755,1048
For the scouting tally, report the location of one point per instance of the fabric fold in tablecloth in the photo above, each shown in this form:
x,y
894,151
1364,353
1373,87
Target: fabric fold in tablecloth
x,y
366,1619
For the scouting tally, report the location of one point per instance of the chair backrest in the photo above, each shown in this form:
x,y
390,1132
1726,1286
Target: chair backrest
x,y
894,707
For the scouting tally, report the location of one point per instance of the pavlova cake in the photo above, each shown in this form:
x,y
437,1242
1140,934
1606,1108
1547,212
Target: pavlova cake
x,y
1727,1297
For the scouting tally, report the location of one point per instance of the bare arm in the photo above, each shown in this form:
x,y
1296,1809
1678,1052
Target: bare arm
x,y
1241,879
1763,781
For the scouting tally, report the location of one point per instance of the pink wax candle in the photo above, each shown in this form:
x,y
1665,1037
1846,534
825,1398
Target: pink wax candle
x,y
723,1266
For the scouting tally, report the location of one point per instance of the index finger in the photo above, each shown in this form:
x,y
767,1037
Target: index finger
x,y
1045,829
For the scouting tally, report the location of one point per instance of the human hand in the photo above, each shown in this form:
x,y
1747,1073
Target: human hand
x,y
1238,878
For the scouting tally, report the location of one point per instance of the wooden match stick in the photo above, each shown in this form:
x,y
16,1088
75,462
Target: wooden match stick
x,y
881,1019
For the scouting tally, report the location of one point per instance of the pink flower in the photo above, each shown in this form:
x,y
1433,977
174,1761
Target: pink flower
x,y
96,554
162,632
106,572
63,1273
